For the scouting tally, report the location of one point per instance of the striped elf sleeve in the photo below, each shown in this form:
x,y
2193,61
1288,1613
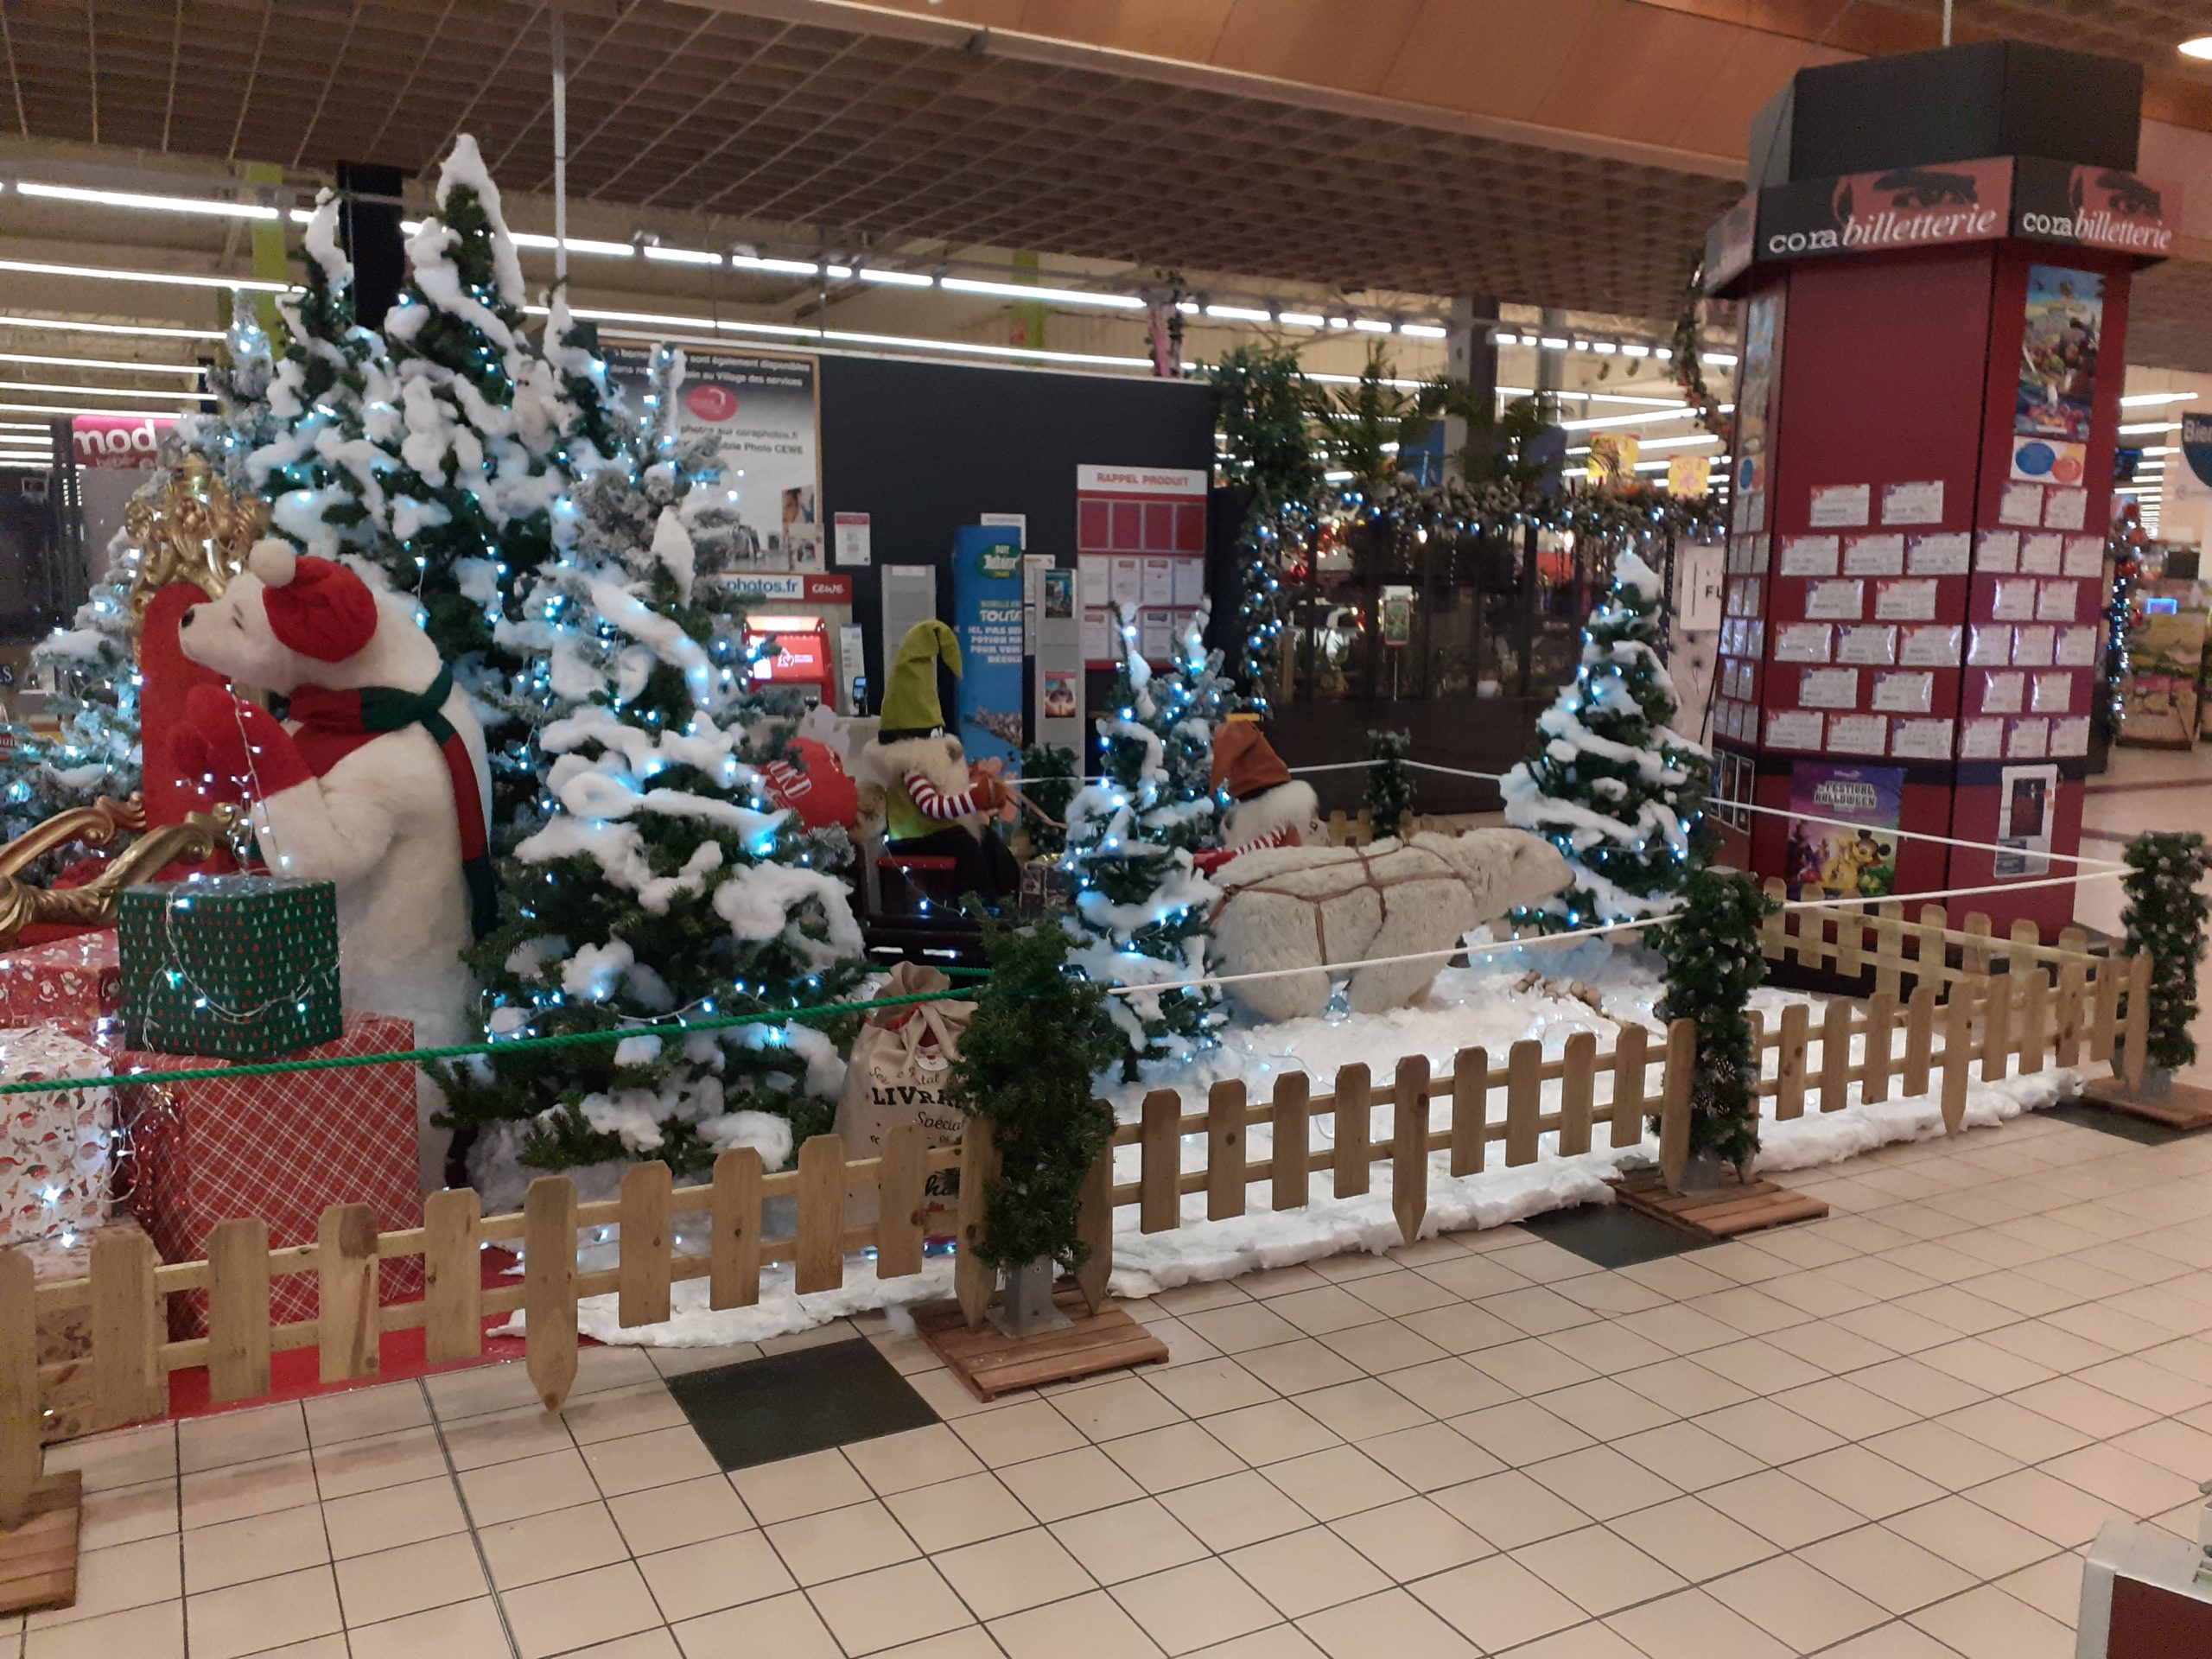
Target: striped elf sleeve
x,y
933,803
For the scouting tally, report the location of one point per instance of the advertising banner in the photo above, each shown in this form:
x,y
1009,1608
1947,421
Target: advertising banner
x,y
2058,353
765,414
1612,459
116,440
2095,207
987,616
2026,798
1844,844
1876,212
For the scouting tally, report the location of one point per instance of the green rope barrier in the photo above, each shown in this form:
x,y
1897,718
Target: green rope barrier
x,y
465,1051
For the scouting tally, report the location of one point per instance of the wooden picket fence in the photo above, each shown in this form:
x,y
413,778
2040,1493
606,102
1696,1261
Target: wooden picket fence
x,y
1358,828
2051,1005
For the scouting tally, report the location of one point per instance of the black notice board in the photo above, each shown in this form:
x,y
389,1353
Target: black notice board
x,y
923,448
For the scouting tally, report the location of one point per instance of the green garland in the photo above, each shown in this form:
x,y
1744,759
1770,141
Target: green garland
x,y
2165,918
1039,1035
1689,363
1711,948
1389,785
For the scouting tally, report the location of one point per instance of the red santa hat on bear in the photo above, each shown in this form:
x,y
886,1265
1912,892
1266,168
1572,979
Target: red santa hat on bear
x,y
315,606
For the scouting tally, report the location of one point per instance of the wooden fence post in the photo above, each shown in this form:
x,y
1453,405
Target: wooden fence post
x,y
346,1329
548,1288
2073,984
1225,1150
1523,1101
1160,1174
1934,954
2104,1029
820,1263
642,1265
1889,949
453,1273
1997,1029
1353,1121
1790,1063
1774,927
128,1330
1629,1046
901,1192
1958,1050
1675,1102
1920,1038
734,1262
973,1279
20,1411
2035,1019
237,1311
1470,1090
1849,930
1409,1146
1835,1054
1578,1090
1292,1126
1881,1033
1974,956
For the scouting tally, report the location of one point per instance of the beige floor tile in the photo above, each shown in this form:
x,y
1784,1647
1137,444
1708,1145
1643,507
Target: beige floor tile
x,y
1028,1429
682,1361
919,1457
1240,1325
1987,1624
1783,1509
1953,1461
1093,1625
1693,1538
1894,1640
1531,1365
1474,1277
359,1414
2092,1411
1303,1572
266,1614
1590,1641
1872,1485
1181,1454
1600,1572
1270,1432
552,1545
1187,1608
2134,1485
1974,1360
970,1642
1605,1410
120,1577
1538,1311
1430,1456
479,1388
239,1437
393,1583
1392,1623
1056,1487
1410,1539
1110,1411
508,1492
618,1412
837,1543
392,1515
1129,1541
1805,1608
2153,1387
583,1608
1341,1481
1401,1294
502,1436
801,1485
1688,1456
2052,1586
688,1512
1604,1347
155,1631
1497,1603
951,1513
123,1515
786,1627
2010,1428
2045,1505
353,1466
1521,1431
885,1608
638,1462
1212,1385
715,1573
1291,1368
1007,1574
1234,1510
238,1489
1448,1388
1687,1387
1602,1483
1383,1348
1769,1432
1464,1329
1841,1407
258,1547
1509,1509
1892,1571
601,1366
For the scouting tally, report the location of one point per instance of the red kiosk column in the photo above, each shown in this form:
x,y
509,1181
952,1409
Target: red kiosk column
x,y
1934,314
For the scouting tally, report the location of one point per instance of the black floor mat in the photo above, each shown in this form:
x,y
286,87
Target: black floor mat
x,y
1612,1235
810,1400
2141,1130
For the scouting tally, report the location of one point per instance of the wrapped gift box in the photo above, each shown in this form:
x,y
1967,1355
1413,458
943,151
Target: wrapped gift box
x,y
238,967
55,1145
73,982
280,1148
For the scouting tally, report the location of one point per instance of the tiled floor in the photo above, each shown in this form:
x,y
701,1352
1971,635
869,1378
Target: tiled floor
x,y
1880,1436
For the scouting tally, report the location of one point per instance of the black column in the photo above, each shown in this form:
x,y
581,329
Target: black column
x,y
370,220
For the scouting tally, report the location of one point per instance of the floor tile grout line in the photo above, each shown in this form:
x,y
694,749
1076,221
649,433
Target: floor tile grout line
x,y
468,1519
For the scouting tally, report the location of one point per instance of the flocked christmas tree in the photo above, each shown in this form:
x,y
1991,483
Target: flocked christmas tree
x,y
1140,904
1713,964
1389,800
2164,920
660,885
1608,780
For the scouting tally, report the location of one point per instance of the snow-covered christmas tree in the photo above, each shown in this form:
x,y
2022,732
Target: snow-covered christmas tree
x,y
1140,904
661,885
1608,781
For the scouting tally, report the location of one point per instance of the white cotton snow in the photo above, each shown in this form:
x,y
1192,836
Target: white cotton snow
x,y
593,972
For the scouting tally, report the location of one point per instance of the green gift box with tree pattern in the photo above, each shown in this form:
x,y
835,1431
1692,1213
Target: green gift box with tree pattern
x,y
232,967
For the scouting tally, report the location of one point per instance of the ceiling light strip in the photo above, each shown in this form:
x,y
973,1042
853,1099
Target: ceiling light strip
x,y
102,363
187,279
63,324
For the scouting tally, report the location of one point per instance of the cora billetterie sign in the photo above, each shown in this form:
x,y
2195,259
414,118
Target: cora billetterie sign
x,y
1879,212
2095,207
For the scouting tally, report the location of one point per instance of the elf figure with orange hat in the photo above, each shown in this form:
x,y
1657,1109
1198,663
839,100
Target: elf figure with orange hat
x,y
1267,806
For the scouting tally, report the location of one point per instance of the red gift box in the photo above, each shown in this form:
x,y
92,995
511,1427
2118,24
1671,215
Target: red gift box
x,y
283,1147
74,981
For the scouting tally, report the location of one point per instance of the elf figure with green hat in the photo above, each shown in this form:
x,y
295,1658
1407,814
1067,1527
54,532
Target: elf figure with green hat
x,y
934,804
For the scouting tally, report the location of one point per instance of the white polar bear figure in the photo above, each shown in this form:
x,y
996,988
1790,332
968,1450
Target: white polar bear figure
x,y
378,782
1309,907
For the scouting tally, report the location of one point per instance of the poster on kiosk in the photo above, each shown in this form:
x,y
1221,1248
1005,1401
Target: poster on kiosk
x,y
986,579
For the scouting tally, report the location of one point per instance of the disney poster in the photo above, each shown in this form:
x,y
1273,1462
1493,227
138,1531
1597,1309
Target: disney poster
x,y
1843,840
2059,352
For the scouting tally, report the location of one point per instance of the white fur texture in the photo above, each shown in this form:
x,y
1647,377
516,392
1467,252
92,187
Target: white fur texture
x,y
381,825
1309,907
1292,805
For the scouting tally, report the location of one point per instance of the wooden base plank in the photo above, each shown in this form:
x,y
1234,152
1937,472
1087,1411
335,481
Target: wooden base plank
x,y
990,1363
2183,1106
38,1560
1734,1207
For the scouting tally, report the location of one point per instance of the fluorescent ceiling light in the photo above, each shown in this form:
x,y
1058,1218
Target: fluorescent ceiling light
x,y
1628,398
1422,330
100,391
64,326
1605,348
840,273
184,279
1302,319
2198,47
161,204
102,363
27,466
1551,344
1679,444
682,255
2143,398
1681,411
1051,295
2149,426
1027,352
576,244
787,267
1370,325
1726,359
1339,322
64,409
1238,313
897,278
1636,350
